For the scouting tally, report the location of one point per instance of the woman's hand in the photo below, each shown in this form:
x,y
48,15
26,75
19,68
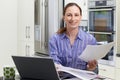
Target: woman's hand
x,y
92,65
57,66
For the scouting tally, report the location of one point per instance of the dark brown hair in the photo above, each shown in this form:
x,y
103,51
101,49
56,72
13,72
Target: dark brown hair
x,y
63,29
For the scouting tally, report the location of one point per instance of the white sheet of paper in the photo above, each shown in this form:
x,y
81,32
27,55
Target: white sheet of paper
x,y
81,74
96,51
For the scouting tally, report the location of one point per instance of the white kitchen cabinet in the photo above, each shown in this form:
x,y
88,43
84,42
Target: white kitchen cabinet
x,y
117,39
107,71
8,32
117,74
25,27
84,6
27,48
118,62
117,70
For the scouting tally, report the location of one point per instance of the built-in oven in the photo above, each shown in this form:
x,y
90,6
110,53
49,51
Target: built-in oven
x,y
101,23
101,19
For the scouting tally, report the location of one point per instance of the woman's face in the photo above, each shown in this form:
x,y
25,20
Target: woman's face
x,y
72,17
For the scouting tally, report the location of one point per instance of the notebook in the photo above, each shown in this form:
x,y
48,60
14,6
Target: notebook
x,y
35,68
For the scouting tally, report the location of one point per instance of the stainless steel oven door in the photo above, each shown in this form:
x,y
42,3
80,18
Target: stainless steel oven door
x,y
101,20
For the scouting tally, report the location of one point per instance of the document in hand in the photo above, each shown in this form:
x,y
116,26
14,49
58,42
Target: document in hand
x,y
96,51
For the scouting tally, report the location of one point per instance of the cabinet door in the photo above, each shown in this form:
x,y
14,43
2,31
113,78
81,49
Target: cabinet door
x,y
117,62
26,20
107,71
25,27
117,74
26,48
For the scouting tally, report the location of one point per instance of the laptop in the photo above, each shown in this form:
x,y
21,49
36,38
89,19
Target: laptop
x,y
35,68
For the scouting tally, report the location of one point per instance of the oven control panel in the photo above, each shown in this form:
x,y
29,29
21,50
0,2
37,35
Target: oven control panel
x,y
101,3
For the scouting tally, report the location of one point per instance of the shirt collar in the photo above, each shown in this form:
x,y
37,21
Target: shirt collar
x,y
79,36
63,35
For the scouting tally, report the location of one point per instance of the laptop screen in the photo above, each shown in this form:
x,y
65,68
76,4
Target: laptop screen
x,y
41,68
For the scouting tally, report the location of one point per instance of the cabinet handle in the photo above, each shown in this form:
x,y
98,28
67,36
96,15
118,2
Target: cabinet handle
x,y
118,54
27,31
84,3
27,50
103,69
110,9
45,44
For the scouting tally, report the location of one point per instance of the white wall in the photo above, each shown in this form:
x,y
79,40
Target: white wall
x,y
8,32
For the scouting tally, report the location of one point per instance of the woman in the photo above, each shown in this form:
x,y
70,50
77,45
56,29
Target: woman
x,y
69,42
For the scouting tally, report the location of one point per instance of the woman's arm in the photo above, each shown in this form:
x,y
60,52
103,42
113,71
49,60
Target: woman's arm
x,y
93,64
53,51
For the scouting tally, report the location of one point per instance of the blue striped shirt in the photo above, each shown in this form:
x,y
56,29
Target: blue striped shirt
x,y
63,53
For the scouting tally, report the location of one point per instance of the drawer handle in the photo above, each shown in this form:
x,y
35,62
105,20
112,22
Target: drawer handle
x,y
103,69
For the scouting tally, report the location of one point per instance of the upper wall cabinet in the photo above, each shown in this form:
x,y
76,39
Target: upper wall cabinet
x,y
84,6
